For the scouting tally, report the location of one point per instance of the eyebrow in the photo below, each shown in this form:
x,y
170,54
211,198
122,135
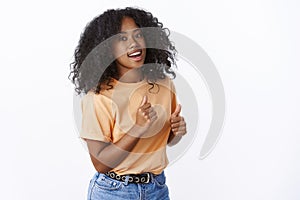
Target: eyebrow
x,y
135,30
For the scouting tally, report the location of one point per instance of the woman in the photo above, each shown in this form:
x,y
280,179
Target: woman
x,y
129,112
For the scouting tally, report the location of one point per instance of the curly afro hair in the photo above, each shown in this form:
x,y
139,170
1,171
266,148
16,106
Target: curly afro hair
x,y
93,64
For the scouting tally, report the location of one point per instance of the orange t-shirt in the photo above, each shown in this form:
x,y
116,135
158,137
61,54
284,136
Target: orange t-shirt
x,y
109,115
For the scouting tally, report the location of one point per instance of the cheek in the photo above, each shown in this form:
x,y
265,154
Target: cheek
x,y
121,59
119,51
142,43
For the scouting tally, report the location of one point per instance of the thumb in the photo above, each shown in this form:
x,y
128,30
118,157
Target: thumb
x,y
144,101
177,111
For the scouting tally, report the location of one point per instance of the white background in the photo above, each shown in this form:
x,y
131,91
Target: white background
x,y
254,45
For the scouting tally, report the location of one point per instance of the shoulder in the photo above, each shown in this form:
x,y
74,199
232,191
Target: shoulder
x,y
92,98
167,82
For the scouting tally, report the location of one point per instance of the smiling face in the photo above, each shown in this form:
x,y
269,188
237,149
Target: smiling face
x,y
129,47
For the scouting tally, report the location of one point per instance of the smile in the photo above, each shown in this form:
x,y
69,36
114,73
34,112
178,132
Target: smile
x,y
136,55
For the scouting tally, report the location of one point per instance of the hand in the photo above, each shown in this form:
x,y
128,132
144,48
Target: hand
x,y
145,115
178,125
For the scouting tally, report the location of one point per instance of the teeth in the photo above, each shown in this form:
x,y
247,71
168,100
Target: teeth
x,y
135,53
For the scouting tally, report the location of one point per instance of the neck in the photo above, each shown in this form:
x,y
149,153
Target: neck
x,y
131,76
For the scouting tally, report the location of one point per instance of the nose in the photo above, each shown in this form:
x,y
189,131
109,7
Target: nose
x,y
133,43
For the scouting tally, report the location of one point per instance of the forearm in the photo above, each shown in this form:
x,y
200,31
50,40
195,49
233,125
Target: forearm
x,y
107,156
173,139
113,154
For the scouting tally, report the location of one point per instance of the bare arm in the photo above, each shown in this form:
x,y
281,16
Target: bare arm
x,y
178,127
173,139
106,156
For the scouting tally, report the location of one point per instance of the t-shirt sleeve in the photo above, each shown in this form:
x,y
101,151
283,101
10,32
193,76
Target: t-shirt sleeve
x,y
97,118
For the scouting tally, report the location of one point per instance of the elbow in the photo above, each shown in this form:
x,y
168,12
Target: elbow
x,y
99,166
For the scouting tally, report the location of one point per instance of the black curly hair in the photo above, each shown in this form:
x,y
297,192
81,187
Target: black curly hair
x,y
93,64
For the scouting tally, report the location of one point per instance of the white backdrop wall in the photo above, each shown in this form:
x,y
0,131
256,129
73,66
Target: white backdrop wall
x,y
255,47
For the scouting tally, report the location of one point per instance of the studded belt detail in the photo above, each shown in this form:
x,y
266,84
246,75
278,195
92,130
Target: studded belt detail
x,y
132,178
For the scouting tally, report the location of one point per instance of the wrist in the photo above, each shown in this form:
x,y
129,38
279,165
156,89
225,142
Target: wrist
x,y
137,131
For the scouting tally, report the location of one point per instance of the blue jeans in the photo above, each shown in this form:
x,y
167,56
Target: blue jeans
x,y
103,187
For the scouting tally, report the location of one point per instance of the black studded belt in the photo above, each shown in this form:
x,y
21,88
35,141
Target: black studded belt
x,y
131,178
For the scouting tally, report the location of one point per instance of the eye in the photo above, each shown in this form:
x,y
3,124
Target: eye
x,y
122,38
139,35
